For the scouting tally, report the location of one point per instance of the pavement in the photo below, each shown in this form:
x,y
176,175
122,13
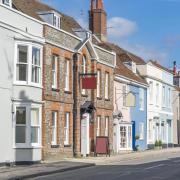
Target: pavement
x,y
124,162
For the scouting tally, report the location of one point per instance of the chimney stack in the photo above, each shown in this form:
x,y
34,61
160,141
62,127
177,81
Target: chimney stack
x,y
174,68
98,20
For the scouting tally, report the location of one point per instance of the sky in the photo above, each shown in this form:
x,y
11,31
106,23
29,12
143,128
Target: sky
x,y
148,28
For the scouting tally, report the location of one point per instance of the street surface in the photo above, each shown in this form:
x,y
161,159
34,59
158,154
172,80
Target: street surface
x,y
165,166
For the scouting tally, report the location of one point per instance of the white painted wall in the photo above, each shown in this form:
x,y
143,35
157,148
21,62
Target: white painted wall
x,y
13,25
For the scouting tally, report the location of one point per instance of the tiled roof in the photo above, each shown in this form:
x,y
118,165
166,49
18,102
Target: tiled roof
x,y
155,63
121,51
121,69
32,7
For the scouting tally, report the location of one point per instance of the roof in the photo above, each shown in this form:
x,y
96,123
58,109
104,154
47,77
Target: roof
x,y
32,7
121,69
155,63
120,51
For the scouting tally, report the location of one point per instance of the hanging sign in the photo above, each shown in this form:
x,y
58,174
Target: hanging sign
x,y
130,100
89,83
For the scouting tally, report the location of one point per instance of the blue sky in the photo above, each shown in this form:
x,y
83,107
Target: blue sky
x,y
148,28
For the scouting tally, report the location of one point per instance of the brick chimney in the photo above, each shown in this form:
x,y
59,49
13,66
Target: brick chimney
x,y
98,19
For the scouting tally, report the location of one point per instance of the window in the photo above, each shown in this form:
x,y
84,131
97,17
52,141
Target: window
x,y
28,68
66,129
141,99
106,85
141,131
169,97
27,125
35,126
54,71
157,94
124,94
150,129
83,72
54,128
98,83
22,63
98,126
7,2
67,74
36,65
163,96
151,92
56,21
20,125
107,126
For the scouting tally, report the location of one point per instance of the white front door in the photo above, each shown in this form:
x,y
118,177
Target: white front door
x,y
125,137
85,150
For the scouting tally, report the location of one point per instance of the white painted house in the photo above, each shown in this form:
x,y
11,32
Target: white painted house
x,y
160,111
21,46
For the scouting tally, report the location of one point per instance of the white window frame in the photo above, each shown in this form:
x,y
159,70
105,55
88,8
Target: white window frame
x,y
67,75
157,94
141,131
151,92
106,85
98,126
98,83
106,126
54,72
164,96
141,99
54,128
28,82
56,24
6,3
27,143
169,97
66,128
84,64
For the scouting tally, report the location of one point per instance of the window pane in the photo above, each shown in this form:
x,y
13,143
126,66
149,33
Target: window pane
x,y
34,134
36,56
21,115
20,134
35,74
22,54
35,117
21,72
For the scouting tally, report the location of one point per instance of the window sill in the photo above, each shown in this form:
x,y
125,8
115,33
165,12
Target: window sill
x,y
55,90
84,95
28,85
55,146
67,145
27,147
99,98
67,92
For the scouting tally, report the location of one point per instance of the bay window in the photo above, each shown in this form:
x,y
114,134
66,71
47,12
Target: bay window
x,y
27,125
36,65
66,129
28,70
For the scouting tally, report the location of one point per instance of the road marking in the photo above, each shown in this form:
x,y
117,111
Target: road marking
x,y
176,161
152,167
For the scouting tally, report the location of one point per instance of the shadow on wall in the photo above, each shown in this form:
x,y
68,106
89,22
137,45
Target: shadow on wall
x,y
9,65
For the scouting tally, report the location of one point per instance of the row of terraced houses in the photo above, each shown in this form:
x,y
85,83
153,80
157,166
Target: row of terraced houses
x,y
47,113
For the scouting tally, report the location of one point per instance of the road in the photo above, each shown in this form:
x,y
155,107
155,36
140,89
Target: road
x,y
134,169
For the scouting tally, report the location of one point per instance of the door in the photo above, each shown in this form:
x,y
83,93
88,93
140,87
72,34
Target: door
x,y
169,132
85,150
125,137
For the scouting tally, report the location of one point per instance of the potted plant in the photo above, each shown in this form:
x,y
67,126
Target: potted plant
x,y
137,137
160,144
137,148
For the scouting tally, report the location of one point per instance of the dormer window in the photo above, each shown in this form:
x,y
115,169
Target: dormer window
x,y
56,21
52,18
7,2
131,65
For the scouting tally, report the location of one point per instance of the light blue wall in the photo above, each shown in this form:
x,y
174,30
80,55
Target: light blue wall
x,y
138,116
